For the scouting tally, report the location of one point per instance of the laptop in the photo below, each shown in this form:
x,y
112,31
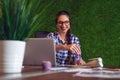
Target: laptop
x,y
38,50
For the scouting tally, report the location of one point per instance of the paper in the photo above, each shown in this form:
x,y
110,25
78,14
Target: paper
x,y
58,68
95,72
77,70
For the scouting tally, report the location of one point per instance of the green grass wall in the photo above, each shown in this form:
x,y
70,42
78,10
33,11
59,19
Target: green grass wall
x,y
95,22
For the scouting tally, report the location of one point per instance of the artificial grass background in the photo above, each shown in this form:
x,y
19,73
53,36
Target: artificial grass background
x,y
96,23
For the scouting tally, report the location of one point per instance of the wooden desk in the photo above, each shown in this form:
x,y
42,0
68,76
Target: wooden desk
x,y
35,73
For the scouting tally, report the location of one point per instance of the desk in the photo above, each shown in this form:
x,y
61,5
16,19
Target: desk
x,y
35,73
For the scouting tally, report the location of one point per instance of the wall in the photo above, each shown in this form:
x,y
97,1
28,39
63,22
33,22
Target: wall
x,y
95,22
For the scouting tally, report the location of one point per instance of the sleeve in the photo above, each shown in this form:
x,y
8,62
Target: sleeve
x,y
75,40
51,35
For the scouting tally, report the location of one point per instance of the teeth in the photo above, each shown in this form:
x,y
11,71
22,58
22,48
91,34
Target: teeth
x,y
63,29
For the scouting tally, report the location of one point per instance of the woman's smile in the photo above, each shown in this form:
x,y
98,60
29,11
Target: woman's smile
x,y
63,24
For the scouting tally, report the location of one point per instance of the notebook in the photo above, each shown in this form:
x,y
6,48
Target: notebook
x,y
38,50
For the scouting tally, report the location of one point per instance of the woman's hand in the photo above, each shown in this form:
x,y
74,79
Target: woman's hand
x,y
80,62
71,47
74,48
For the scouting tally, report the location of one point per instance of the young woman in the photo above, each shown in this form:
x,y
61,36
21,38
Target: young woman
x,y
67,45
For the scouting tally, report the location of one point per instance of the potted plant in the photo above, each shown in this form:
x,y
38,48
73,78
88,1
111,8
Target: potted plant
x,y
18,20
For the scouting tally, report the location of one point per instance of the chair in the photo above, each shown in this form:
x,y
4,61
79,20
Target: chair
x,y
41,34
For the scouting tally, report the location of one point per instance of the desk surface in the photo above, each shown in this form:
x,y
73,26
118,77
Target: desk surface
x,y
35,73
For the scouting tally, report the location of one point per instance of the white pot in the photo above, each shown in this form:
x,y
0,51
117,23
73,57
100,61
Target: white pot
x,y
11,56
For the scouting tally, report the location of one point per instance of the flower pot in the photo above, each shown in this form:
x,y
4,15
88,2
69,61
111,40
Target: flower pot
x,y
11,56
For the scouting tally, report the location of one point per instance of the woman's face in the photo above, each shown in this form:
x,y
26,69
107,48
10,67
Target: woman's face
x,y
63,24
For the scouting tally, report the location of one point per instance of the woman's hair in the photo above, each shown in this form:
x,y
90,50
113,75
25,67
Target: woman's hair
x,y
68,35
62,13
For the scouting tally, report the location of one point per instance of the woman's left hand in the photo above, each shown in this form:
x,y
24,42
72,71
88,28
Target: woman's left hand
x,y
80,62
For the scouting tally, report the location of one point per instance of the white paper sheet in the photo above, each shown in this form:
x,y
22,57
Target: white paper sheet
x,y
91,72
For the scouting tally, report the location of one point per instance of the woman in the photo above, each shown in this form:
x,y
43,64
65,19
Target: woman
x,y
67,45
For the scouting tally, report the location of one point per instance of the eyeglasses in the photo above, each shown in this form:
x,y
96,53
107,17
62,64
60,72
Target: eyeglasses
x,y
63,22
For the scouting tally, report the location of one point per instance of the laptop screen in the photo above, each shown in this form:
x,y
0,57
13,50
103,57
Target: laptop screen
x,y
38,50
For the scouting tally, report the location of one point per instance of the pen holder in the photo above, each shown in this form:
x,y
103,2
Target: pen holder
x,y
46,65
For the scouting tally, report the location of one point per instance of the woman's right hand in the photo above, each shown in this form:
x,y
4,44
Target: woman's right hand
x,y
70,47
74,48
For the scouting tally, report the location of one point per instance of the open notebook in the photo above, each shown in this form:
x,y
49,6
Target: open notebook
x,y
38,50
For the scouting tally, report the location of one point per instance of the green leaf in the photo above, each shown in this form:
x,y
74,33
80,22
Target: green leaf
x,y
20,18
